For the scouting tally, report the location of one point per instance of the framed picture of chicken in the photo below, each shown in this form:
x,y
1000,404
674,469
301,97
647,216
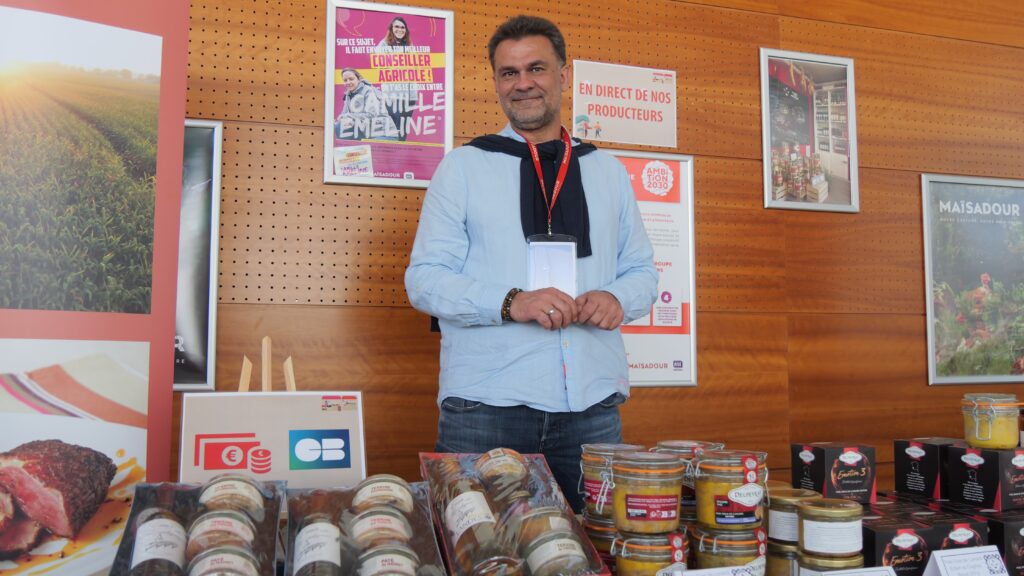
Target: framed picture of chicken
x,y
388,93
809,132
974,278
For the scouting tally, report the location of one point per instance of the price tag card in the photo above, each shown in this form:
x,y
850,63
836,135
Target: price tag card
x,y
752,568
877,571
977,561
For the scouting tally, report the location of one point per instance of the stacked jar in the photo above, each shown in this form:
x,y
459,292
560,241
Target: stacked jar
x,y
646,488
991,420
596,488
687,450
377,525
222,535
730,490
784,529
830,536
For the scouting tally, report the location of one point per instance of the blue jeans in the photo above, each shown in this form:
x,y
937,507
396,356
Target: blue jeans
x,y
466,426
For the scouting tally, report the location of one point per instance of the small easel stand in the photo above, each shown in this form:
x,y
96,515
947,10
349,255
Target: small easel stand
x,y
265,365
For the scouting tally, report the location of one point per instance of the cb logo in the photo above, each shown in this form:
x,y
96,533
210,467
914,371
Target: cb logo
x,y
318,449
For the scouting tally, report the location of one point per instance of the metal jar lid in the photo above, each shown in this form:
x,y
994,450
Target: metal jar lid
x,y
830,509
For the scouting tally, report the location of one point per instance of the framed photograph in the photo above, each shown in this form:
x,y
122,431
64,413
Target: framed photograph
x,y
388,93
974,279
661,347
195,318
809,132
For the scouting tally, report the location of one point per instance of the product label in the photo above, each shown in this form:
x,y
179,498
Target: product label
x,y
221,524
465,511
388,564
498,460
962,535
915,451
832,537
225,563
318,542
384,492
594,495
159,539
729,511
747,495
783,526
555,549
807,456
652,507
972,459
377,523
230,490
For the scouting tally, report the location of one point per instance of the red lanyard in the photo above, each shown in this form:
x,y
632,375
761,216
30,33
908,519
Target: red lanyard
x,y
559,179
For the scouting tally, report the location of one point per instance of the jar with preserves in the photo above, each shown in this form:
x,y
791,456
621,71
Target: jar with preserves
x,y
469,521
602,534
783,524
596,463
233,492
645,493
686,450
825,564
782,559
379,525
724,548
391,560
224,561
644,555
383,489
317,548
218,528
730,489
830,527
555,553
159,547
502,469
991,420
538,521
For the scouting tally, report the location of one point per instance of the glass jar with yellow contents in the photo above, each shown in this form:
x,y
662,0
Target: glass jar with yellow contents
x,y
730,489
637,555
686,450
602,534
725,548
991,420
596,464
645,492
823,564
782,559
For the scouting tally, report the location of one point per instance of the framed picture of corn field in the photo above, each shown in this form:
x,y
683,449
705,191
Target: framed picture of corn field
x,y
974,279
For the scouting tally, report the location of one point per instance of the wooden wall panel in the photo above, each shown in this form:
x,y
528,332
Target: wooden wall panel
x,y
927,104
868,262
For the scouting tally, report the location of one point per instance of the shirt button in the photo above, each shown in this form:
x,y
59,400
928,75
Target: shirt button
x,y
565,345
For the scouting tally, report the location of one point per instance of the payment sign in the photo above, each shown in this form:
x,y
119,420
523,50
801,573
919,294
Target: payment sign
x,y
318,449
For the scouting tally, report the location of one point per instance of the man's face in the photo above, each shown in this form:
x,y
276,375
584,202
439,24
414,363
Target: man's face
x,y
529,81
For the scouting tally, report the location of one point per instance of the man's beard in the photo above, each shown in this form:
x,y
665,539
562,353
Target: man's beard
x,y
530,121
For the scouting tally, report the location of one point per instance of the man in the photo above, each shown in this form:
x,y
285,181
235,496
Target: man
x,y
536,370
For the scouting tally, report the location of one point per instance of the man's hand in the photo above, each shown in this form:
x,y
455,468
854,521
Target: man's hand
x,y
549,307
599,308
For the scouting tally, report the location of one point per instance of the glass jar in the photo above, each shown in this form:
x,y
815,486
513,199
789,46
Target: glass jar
x,y
826,564
383,489
317,548
644,555
602,534
470,524
379,525
159,546
783,524
725,548
686,450
730,489
224,561
830,527
233,492
782,559
392,559
536,522
991,420
554,553
645,493
218,528
596,464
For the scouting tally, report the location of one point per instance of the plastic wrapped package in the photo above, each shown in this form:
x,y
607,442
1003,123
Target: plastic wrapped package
x,y
502,514
382,526
184,529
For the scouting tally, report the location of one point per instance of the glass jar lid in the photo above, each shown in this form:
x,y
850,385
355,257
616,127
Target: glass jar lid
x,y
730,460
648,463
776,548
786,499
829,563
688,448
989,402
830,508
711,539
603,453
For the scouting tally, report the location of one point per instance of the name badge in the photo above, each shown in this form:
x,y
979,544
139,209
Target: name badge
x,y
551,262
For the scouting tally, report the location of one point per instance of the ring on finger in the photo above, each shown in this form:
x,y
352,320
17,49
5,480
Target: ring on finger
x,y
550,312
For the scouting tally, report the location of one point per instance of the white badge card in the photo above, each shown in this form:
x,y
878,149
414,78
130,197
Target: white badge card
x,y
551,264
977,561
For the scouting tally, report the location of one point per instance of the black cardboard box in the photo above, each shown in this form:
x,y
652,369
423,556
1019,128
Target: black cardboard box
x,y
920,465
906,541
1006,531
986,478
835,469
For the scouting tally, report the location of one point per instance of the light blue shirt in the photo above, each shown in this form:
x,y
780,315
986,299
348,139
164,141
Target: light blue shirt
x,y
470,251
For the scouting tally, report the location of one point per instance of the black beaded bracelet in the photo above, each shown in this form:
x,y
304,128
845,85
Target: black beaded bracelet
x,y
506,306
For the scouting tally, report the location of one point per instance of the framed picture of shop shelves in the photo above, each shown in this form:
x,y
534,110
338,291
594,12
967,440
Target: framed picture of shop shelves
x,y
974,278
662,346
195,315
809,132
388,93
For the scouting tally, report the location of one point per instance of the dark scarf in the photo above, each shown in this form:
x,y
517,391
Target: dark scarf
x,y
570,215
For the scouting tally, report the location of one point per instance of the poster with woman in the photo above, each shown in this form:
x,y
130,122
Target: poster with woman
x,y
974,279
387,117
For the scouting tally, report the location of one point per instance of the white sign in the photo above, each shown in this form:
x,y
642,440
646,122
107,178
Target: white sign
x,y
977,561
876,571
309,439
661,347
616,103
755,567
